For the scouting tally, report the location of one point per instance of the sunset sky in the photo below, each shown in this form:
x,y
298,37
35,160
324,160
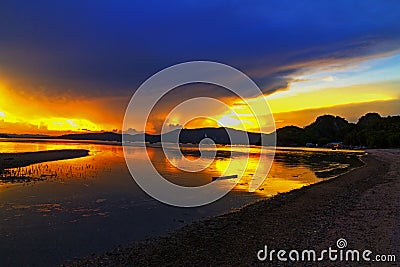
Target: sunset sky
x,y
72,66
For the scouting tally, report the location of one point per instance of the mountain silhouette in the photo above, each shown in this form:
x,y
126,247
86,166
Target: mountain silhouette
x,y
371,131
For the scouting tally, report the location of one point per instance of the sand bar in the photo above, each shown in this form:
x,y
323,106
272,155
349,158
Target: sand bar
x,y
16,160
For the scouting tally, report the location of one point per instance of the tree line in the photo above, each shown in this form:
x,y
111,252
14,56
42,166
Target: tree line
x,y
371,130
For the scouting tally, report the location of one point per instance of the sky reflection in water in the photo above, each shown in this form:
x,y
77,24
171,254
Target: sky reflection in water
x,y
84,199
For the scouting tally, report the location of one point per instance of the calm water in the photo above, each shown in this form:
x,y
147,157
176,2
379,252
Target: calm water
x,y
92,204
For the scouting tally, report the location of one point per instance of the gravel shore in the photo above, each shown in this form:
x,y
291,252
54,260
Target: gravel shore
x,y
362,207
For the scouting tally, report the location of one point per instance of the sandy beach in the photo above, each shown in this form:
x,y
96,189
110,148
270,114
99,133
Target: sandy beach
x,y
361,206
16,160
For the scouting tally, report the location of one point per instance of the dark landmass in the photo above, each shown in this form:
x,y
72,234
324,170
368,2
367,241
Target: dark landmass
x,y
107,136
360,206
193,136
33,136
218,135
16,160
371,131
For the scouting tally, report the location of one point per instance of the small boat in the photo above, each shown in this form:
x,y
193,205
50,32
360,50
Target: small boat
x,y
225,177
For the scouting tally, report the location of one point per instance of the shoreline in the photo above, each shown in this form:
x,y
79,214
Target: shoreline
x,y
313,217
138,143
23,159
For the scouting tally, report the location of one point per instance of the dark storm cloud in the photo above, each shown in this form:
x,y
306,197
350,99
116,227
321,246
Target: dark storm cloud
x,y
93,48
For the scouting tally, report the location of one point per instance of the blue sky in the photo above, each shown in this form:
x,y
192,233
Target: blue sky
x,y
91,49
118,44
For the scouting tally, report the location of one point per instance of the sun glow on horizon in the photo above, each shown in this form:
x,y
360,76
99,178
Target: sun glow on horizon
x,y
39,114
241,118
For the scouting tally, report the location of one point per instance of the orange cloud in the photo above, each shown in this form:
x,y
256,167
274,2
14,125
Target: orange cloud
x,y
23,112
351,112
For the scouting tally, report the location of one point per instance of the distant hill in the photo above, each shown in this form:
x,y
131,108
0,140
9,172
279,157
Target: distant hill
x,y
218,135
33,136
371,131
375,131
291,136
107,136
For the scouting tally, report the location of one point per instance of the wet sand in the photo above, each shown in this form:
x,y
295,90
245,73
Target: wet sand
x,y
361,206
16,160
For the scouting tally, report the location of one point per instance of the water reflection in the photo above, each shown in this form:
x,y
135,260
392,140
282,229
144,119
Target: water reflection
x,y
291,168
94,202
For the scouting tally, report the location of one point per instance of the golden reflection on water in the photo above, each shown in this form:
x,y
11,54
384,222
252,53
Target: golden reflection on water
x,y
102,160
106,165
281,178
